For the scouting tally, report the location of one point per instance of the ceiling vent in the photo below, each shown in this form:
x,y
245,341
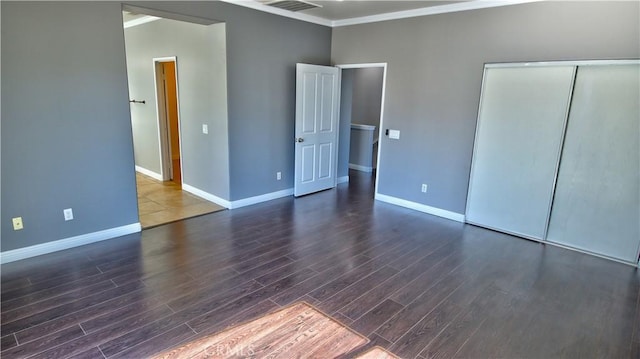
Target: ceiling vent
x,y
291,5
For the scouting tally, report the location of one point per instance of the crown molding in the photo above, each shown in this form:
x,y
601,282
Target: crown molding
x,y
273,10
432,10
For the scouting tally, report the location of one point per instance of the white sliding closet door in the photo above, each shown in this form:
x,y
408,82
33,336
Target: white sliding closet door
x,y
519,136
597,200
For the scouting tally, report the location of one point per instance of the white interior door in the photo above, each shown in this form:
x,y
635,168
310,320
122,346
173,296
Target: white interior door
x,y
317,112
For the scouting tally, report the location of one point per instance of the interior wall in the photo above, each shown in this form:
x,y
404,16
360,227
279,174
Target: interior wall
x,y
66,129
202,92
367,96
262,52
344,132
434,77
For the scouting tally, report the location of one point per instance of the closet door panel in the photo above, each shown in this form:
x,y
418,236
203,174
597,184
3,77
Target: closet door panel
x,y
597,200
518,140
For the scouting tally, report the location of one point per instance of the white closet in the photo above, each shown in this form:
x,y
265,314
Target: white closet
x,y
557,156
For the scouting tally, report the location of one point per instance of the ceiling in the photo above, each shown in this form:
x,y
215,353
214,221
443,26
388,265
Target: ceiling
x,y
335,13
340,10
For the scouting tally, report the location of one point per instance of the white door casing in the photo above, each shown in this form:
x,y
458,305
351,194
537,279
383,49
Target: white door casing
x,y
316,133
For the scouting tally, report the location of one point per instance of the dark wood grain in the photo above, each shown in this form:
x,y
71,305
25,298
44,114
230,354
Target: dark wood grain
x,y
169,339
8,341
93,353
369,322
375,296
414,284
248,300
44,342
357,289
59,311
121,327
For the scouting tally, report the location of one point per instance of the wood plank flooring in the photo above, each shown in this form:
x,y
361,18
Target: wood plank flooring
x,y
416,285
296,331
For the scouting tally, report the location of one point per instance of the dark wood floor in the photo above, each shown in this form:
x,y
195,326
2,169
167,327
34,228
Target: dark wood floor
x,y
418,285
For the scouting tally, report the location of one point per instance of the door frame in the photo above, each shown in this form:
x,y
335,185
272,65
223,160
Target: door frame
x,y
365,65
164,141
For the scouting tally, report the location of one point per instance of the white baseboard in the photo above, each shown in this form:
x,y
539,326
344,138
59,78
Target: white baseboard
x,y
239,203
149,173
360,168
421,207
208,196
343,179
261,198
66,243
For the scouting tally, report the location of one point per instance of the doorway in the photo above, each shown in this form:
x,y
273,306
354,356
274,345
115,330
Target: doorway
x,y
361,119
169,80
166,80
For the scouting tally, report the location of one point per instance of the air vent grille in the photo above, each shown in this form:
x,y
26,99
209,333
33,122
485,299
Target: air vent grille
x,y
292,5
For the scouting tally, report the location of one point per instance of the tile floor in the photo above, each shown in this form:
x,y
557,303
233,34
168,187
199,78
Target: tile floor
x,y
165,202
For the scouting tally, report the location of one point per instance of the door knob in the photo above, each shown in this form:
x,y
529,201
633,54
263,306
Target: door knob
x,y
299,139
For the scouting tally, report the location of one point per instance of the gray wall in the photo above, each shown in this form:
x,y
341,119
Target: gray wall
x,y
262,50
367,96
66,127
202,91
344,132
66,130
434,75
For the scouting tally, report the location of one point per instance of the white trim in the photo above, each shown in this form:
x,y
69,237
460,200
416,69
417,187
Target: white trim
x,y
362,65
343,179
359,126
353,166
286,13
241,202
261,198
432,10
149,173
208,196
421,207
139,21
564,63
66,243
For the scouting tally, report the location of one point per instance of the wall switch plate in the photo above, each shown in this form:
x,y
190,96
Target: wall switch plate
x,y
205,128
278,176
394,134
424,188
68,214
17,223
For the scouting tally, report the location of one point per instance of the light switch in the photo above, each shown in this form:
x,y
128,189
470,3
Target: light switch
x,y
205,128
394,134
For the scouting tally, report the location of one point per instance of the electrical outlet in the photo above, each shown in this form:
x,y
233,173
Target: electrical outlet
x,y
68,214
17,223
205,128
424,188
278,176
